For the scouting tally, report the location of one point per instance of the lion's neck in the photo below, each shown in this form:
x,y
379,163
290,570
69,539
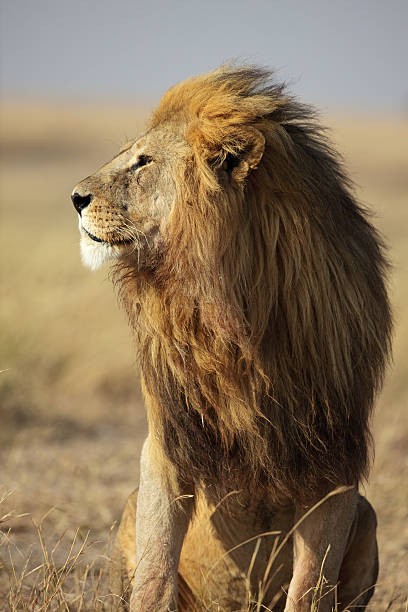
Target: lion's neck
x,y
189,347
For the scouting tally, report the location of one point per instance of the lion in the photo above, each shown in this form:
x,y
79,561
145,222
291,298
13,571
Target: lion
x,y
255,286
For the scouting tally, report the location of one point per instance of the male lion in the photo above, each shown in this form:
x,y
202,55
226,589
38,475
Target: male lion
x,y
254,284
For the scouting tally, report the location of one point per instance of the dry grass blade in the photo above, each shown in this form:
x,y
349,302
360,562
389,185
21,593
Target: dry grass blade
x,y
60,582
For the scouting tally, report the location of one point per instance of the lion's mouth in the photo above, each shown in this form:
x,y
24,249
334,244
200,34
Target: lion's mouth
x,y
94,237
110,243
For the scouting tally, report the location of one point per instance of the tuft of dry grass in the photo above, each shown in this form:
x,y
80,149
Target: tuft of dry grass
x,y
72,419
68,574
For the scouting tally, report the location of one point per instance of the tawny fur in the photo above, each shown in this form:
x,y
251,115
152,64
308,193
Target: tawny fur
x,y
263,326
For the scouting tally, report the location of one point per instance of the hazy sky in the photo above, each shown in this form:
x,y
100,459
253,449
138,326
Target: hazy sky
x,y
342,54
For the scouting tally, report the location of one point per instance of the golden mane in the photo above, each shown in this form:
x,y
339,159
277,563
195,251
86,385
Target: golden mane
x,y
264,328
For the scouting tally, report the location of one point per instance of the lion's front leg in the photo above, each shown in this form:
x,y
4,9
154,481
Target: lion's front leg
x,y
161,524
319,543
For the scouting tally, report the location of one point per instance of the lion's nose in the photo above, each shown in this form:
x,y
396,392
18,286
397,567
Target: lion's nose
x,y
80,201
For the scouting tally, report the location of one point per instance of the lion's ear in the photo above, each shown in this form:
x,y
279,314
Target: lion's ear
x,y
239,165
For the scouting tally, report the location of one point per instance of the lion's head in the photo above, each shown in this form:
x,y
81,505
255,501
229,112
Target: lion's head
x,y
124,208
253,279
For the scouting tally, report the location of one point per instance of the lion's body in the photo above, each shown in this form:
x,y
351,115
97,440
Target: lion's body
x,y
258,303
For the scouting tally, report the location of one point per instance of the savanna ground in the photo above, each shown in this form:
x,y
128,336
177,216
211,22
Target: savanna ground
x,y
72,419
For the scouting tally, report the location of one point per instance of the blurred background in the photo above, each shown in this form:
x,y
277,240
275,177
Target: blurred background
x,y
77,79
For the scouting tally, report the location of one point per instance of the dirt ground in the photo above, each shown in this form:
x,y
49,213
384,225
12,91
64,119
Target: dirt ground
x,y
72,418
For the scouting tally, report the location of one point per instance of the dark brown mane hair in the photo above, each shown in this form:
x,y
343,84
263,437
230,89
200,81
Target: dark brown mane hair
x,y
264,328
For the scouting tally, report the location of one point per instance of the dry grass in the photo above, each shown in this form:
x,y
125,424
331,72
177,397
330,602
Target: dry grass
x,y
71,413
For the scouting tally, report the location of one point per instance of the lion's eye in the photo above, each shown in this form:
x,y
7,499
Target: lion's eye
x,y
142,161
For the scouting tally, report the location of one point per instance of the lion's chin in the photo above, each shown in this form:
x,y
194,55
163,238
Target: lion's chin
x,y
94,254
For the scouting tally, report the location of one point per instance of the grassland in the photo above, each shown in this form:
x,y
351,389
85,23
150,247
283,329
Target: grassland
x,y
72,419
